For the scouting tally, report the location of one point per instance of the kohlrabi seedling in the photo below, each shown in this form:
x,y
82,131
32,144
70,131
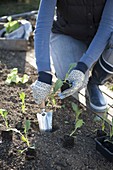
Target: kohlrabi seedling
x,y
22,97
24,135
58,84
4,114
78,122
71,66
13,77
110,134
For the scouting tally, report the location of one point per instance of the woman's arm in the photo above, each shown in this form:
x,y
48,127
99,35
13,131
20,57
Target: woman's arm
x,y
42,34
102,36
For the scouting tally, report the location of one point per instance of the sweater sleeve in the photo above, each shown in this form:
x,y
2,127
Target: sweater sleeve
x,y
42,34
102,36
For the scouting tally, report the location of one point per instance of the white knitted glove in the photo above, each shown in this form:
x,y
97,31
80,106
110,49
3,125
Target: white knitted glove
x,y
76,78
40,91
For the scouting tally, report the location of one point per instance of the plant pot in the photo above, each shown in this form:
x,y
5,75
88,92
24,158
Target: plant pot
x,y
101,133
68,141
65,86
7,135
104,147
30,153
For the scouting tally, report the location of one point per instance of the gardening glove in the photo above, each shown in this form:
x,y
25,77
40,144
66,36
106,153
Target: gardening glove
x,y
76,80
42,87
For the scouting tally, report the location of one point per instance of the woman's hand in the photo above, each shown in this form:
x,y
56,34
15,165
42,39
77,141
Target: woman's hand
x,y
40,91
76,80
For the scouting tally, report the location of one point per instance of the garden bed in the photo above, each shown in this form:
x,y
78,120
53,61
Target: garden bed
x,y
50,153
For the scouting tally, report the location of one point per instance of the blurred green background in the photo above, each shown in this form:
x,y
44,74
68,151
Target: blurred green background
x,y
9,7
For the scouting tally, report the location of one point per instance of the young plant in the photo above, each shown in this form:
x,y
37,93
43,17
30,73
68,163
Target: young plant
x,y
13,77
59,83
71,66
78,122
11,26
103,121
24,136
51,98
110,135
22,97
4,114
110,132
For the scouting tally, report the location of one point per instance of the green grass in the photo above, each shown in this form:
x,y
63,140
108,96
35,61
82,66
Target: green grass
x,y
10,7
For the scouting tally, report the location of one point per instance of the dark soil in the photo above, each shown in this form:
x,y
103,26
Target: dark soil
x,y
50,153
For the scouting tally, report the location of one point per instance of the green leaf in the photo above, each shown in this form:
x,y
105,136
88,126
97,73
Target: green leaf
x,y
8,80
27,126
23,138
13,77
23,108
9,18
79,123
63,106
57,86
22,151
71,66
66,122
25,78
53,101
14,71
76,109
22,96
18,79
3,113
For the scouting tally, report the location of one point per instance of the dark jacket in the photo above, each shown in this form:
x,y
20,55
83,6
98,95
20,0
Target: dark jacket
x,y
78,18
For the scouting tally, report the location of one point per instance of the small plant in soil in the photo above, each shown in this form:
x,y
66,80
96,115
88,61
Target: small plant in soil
x,y
13,77
22,97
102,132
104,144
30,150
68,141
110,138
7,133
78,122
58,84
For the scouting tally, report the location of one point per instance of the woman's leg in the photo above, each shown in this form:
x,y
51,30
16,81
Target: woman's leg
x,y
64,51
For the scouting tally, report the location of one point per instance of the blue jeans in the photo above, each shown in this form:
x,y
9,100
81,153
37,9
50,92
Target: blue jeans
x,y
66,50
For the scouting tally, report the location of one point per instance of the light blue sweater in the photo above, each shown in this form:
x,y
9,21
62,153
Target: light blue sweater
x,y
43,29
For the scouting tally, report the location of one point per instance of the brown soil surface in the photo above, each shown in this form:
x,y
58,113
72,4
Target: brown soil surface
x,y
50,153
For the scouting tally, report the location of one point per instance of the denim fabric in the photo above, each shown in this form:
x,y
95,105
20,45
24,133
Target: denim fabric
x,y
108,52
64,51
